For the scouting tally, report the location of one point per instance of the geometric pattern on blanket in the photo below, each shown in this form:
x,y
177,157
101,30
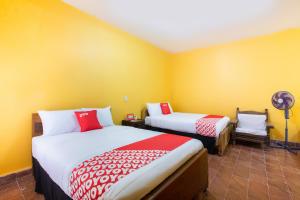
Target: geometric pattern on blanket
x,y
107,169
206,126
93,177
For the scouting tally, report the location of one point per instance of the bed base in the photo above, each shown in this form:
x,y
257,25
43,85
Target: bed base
x,y
45,185
187,182
210,143
224,139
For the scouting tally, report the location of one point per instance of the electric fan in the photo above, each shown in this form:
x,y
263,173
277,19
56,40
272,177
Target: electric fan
x,y
284,100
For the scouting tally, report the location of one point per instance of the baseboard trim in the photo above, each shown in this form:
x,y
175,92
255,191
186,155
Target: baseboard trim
x,y
291,144
4,179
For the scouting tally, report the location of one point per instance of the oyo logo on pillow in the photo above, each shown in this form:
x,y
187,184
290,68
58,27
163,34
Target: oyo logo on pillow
x,y
165,108
83,114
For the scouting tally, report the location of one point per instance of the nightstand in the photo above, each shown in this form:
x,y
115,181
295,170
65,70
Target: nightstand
x,y
139,123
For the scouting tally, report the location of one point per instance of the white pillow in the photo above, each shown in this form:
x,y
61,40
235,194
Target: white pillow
x,y
104,115
154,109
59,121
249,121
171,109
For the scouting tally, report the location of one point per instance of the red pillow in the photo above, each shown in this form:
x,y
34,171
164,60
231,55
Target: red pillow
x,y
165,108
88,120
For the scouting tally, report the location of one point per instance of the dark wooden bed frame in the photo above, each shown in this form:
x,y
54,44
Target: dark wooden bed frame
x,y
220,145
187,182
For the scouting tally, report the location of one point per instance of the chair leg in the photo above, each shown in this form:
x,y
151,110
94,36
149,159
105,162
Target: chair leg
x,y
265,145
268,141
233,138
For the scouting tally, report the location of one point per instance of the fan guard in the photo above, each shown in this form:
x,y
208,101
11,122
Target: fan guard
x,y
283,100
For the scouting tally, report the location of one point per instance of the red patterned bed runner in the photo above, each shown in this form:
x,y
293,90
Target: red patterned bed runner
x,y
206,126
93,177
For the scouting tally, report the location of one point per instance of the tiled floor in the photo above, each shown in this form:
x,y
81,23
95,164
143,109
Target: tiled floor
x,y
19,189
242,173
253,173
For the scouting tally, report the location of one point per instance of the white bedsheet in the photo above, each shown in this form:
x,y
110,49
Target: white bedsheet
x,y
59,154
183,122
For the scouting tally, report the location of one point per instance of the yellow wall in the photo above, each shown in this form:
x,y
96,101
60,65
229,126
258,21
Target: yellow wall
x,y
53,56
244,73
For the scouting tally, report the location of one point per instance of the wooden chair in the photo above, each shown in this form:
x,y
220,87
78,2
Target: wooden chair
x,y
251,126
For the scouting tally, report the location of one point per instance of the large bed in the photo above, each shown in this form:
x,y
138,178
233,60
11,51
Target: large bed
x,y
184,124
182,173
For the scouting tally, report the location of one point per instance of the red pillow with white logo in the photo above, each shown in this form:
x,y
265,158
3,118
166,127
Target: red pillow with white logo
x,y
165,108
88,120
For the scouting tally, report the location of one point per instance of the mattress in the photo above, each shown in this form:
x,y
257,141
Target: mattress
x,y
59,154
183,122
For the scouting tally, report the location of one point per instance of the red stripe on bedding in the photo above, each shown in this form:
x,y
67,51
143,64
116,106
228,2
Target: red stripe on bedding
x,y
213,116
93,177
165,142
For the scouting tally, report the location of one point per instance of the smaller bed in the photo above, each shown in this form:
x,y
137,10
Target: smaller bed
x,y
184,124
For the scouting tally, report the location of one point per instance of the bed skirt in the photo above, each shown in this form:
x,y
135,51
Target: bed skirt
x,y
45,185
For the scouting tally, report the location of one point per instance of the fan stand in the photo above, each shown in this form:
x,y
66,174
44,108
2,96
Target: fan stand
x,y
285,145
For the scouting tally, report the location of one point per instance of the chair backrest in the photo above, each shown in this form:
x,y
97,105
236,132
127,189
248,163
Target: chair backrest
x,y
252,119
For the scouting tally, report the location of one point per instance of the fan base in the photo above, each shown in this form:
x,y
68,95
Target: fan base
x,y
287,147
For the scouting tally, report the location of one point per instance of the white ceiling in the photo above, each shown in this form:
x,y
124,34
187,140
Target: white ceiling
x,y
180,25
